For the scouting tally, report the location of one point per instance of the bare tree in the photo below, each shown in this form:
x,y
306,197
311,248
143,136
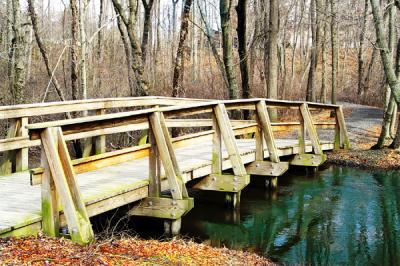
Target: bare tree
x,y
213,47
273,53
361,63
386,57
225,14
17,67
129,21
74,49
33,16
177,83
334,45
146,28
315,9
241,10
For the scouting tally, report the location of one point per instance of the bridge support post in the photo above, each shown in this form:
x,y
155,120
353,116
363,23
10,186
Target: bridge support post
x,y
217,181
264,134
171,209
307,126
62,173
341,136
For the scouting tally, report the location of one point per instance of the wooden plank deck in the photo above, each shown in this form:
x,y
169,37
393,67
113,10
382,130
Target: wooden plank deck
x,y
111,187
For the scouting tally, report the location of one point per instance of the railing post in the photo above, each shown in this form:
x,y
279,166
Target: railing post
x,y
62,173
50,212
170,209
100,141
154,166
302,135
341,135
6,163
303,159
216,159
217,181
274,167
21,158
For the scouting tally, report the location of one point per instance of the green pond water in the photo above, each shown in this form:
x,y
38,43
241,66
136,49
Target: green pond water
x,y
337,216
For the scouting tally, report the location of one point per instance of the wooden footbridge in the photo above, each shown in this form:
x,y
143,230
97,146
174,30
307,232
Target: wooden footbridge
x,y
212,152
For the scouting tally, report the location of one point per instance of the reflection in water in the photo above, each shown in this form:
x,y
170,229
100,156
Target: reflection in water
x,y
339,216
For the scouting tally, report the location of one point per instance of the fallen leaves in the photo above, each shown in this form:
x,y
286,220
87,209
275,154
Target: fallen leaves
x,y
124,251
367,159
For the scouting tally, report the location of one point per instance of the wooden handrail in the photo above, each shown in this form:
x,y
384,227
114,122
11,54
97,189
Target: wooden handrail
x,y
38,109
105,124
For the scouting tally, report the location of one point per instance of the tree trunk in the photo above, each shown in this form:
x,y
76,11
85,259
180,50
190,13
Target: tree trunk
x,y
177,83
82,26
314,6
17,84
361,50
225,11
273,54
214,50
146,28
385,53
136,53
128,57
74,50
396,141
389,101
99,47
42,49
242,49
324,57
334,44
369,71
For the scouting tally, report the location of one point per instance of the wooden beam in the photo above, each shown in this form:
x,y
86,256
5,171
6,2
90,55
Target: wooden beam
x,y
6,162
311,129
154,167
50,211
344,137
228,137
265,168
216,156
61,170
39,109
162,207
223,183
100,141
21,158
172,155
266,127
157,131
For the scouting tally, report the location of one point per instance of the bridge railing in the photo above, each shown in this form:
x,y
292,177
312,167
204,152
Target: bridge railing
x,y
57,174
16,144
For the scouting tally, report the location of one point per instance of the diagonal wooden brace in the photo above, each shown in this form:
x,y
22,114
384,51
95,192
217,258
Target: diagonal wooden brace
x,y
61,170
228,137
218,181
162,152
317,157
265,134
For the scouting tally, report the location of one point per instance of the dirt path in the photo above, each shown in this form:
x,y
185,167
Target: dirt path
x,y
363,124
